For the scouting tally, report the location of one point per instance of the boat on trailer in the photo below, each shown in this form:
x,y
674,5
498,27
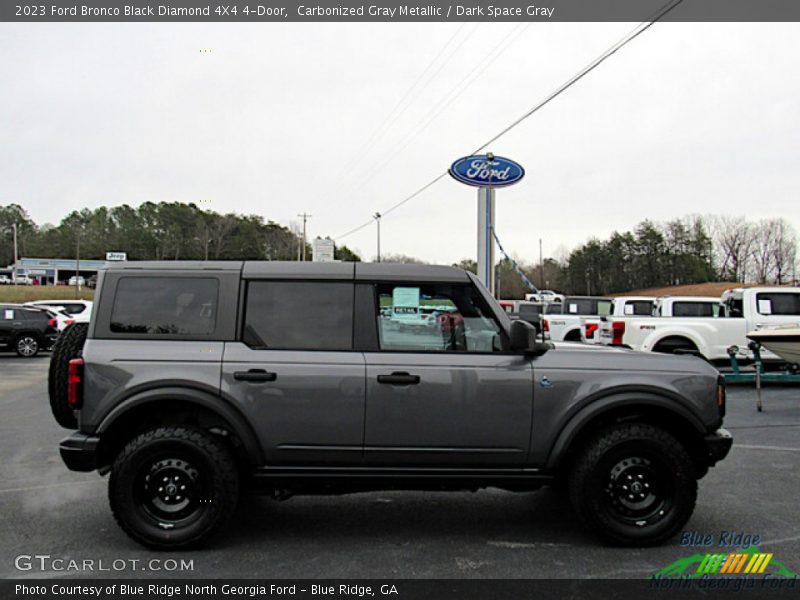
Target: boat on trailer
x,y
783,340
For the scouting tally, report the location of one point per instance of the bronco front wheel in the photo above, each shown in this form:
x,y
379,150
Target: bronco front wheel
x,y
634,483
173,487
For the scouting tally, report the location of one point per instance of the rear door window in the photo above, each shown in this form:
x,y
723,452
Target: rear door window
x,y
165,306
36,315
778,303
588,306
639,308
299,315
693,309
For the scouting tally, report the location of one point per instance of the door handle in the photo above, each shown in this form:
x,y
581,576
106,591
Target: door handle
x,y
399,379
255,375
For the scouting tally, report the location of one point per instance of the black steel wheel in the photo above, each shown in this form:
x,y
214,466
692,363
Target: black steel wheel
x,y
173,487
634,483
638,490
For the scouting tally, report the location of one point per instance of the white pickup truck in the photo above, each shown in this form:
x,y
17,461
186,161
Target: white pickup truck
x,y
621,306
742,311
565,320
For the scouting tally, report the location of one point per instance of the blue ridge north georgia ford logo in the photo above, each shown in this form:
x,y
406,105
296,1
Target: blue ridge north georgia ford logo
x,y
487,170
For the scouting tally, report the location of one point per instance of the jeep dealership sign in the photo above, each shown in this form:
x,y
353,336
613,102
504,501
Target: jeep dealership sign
x,y
487,170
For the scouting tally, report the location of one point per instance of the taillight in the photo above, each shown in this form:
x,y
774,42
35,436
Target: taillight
x,y
75,383
69,322
721,396
546,325
617,331
590,329
52,323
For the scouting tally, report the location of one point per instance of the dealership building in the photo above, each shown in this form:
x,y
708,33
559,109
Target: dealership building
x,y
49,271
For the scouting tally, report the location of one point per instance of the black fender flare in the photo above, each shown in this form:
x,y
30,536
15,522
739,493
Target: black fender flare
x,y
207,399
612,401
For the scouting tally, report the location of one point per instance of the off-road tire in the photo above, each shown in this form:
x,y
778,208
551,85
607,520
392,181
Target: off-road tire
x,y
69,345
137,502
622,452
27,345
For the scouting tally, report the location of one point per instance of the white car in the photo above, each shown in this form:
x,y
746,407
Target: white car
x,y
77,311
80,281
23,280
62,318
5,280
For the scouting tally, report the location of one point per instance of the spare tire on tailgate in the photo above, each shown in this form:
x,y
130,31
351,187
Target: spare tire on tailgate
x,y
69,345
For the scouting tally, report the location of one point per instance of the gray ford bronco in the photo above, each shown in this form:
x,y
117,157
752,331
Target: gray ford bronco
x,y
197,382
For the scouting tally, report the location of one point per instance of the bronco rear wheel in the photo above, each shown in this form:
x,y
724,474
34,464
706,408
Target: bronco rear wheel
x,y
173,487
634,483
69,345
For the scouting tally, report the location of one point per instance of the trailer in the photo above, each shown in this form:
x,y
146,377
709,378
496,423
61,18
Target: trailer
x,y
756,373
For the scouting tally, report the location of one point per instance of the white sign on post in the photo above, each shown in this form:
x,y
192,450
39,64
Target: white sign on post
x,y
323,250
116,256
403,296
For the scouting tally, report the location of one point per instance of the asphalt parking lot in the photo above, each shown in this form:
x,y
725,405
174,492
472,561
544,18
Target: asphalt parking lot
x,y
48,510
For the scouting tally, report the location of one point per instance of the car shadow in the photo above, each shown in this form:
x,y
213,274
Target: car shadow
x,y
402,515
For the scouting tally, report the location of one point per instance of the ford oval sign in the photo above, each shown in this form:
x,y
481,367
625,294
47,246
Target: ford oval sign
x,y
487,170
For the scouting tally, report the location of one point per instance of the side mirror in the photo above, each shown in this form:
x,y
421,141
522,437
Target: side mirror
x,y
523,339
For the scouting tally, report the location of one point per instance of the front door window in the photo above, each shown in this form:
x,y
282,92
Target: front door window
x,y
435,318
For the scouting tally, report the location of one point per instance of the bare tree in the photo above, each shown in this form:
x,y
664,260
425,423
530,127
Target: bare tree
x,y
733,246
763,250
400,258
784,250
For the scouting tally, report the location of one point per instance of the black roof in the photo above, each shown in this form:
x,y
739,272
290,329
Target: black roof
x,y
308,270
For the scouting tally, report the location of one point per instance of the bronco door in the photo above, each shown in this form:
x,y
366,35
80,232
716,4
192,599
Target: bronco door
x,y
443,392
294,373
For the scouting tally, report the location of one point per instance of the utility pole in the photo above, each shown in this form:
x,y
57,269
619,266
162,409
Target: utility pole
x,y
78,265
541,266
16,256
377,217
305,218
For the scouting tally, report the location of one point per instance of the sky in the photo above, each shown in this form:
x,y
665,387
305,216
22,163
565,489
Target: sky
x,y
343,120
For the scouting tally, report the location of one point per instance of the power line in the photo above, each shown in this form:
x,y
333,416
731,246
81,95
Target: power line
x,y
382,127
632,35
446,101
395,206
586,70
514,264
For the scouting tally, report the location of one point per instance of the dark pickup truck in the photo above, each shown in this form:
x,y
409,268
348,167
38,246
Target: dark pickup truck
x,y
196,382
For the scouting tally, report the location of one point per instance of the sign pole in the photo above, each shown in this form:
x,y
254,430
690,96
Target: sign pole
x,y
486,172
485,241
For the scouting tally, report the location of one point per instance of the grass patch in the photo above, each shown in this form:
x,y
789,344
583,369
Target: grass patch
x,y
27,293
